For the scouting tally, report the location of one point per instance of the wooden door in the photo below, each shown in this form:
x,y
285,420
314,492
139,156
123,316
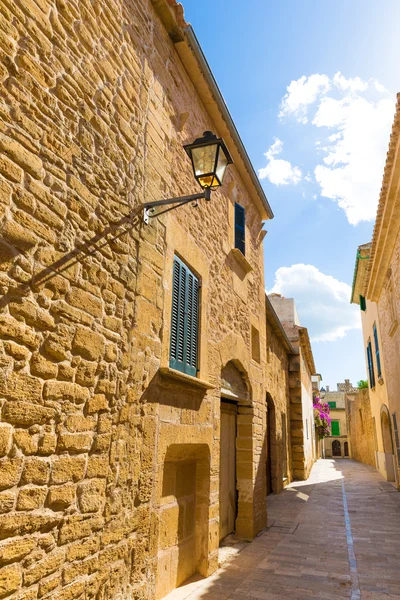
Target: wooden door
x,y
227,470
336,448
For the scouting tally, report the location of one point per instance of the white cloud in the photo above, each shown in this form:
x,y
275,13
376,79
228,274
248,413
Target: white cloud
x,y
353,84
323,302
357,124
352,168
279,171
301,93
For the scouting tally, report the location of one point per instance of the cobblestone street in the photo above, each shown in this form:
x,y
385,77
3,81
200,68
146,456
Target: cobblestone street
x,y
336,535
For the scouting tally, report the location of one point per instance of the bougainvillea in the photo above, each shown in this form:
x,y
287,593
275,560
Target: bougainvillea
x,y
321,418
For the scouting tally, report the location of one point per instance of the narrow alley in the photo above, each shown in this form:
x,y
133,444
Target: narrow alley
x,y
336,535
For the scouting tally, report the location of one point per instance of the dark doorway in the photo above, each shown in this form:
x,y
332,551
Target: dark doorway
x,y
271,432
336,448
227,474
346,448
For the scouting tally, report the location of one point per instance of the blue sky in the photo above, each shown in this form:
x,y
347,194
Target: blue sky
x,y
326,138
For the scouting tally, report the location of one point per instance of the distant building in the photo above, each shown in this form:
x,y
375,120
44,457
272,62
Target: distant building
x,y
337,444
302,368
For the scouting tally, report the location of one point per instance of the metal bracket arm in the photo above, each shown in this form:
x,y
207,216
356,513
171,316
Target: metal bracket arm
x,y
149,207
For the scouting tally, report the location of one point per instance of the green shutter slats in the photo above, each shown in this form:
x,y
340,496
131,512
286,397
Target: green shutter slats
x,y
377,353
332,404
181,315
363,304
192,337
370,366
175,311
240,227
335,428
184,319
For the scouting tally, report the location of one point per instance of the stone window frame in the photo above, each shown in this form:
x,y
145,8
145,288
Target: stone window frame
x,y
180,244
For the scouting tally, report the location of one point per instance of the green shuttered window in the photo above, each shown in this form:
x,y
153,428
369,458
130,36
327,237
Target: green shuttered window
x,y
363,303
377,354
240,229
184,319
370,366
335,428
332,404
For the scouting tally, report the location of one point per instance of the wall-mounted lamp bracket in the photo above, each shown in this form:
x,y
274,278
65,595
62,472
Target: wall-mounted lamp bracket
x,y
150,207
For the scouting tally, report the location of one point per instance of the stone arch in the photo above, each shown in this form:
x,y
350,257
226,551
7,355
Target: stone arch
x,y
386,430
336,448
346,449
387,438
235,366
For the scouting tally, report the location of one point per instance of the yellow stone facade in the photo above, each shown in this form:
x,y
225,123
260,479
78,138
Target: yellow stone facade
x,y
110,460
377,279
361,428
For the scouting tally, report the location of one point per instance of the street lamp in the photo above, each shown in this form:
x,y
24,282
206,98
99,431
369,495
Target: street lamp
x,y
209,157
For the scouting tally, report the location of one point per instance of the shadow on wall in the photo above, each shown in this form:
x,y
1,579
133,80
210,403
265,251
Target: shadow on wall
x,y
107,236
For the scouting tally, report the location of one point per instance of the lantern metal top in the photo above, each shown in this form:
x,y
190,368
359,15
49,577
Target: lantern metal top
x,y
210,157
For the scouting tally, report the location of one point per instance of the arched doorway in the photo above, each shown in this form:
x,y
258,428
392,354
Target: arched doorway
x,y
336,448
387,443
271,445
234,394
346,448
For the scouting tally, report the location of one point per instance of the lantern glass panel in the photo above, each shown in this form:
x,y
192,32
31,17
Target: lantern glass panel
x,y
221,165
204,159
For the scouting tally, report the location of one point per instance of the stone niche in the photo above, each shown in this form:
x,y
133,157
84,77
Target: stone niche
x,y
233,384
183,516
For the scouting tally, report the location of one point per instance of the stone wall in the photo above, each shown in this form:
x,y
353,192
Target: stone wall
x,y
389,318
277,385
360,427
95,106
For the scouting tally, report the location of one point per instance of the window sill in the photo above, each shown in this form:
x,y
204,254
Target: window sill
x,y
241,260
393,328
168,373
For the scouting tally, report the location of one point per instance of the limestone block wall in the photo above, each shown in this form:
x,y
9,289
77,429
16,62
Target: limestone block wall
x,y
277,385
94,108
361,428
389,319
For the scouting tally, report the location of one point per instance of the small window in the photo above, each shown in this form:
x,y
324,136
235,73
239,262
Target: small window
x,y
184,319
377,354
363,304
335,425
371,373
255,344
240,222
332,404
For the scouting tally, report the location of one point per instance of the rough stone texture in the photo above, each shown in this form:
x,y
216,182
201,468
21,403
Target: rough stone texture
x,y
278,404
95,106
360,427
389,317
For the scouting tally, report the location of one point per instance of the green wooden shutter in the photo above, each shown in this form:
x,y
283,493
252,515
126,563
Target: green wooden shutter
x,y
363,304
332,404
240,222
377,353
335,428
370,366
184,319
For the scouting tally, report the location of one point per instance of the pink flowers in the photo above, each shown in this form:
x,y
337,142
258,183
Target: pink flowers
x,y
321,418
